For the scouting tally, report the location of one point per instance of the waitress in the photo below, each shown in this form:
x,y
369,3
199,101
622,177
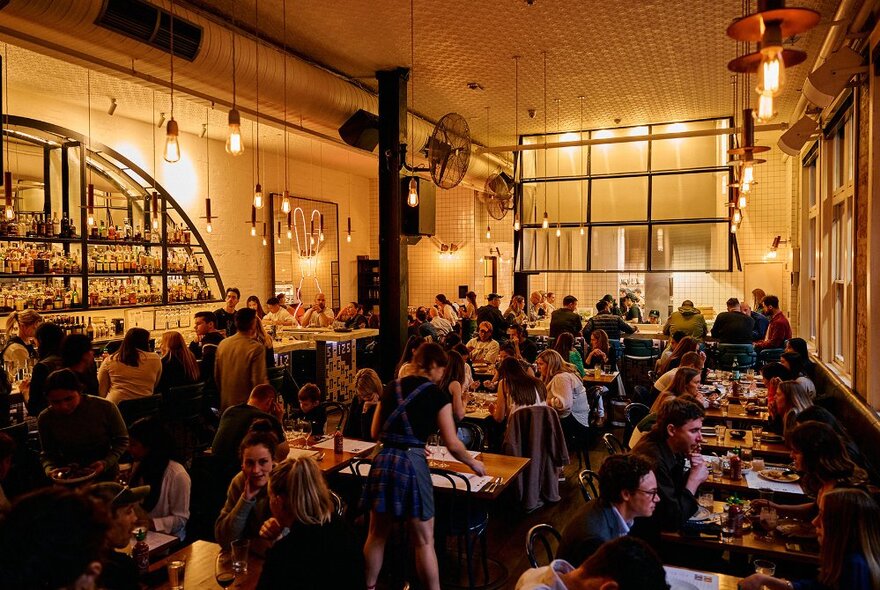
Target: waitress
x,y
399,484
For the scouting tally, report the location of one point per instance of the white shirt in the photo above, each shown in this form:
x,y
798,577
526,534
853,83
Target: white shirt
x,y
118,381
545,578
665,380
315,317
442,325
483,351
282,316
172,509
623,523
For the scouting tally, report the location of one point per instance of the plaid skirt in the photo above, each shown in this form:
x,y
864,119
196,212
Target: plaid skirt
x,y
399,484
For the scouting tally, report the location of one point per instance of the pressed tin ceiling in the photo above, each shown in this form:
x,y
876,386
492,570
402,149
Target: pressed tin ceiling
x,y
636,61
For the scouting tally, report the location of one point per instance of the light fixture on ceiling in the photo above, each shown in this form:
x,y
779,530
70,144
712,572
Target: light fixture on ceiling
x,y
285,199
558,230
265,241
488,232
516,222
733,228
766,109
285,202
209,226
745,153
7,190
290,226
348,231
827,81
258,188
737,216
90,188
412,199
234,143
172,146
112,108
321,228
278,233
90,205
258,195
253,221
156,212
545,224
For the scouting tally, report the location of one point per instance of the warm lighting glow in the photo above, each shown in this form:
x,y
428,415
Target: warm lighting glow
x,y
348,238
10,213
516,224
558,231
661,239
747,178
285,203
737,216
488,232
321,237
253,230
172,148
772,254
412,198
289,234
733,228
155,223
766,108
265,243
90,220
258,196
742,202
546,223
209,228
582,230
234,144
771,72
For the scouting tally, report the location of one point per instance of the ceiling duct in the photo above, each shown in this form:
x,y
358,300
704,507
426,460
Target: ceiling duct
x,y
322,100
151,25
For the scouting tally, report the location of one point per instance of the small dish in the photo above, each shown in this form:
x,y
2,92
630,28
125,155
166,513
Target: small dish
x,y
737,434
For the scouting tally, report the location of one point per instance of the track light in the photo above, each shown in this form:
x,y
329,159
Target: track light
x,y
234,144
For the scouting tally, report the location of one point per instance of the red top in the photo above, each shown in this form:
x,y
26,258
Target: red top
x,y
778,331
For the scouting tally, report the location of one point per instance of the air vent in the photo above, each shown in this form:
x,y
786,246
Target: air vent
x,y
151,25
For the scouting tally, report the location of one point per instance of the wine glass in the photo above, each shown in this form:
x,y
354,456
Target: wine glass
x,y
434,448
305,427
224,572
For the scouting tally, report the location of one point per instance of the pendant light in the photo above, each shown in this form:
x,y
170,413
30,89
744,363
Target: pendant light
x,y
321,229
556,184
285,199
546,222
7,190
156,212
209,227
412,197
488,232
90,188
348,222
172,147
265,242
9,209
290,226
582,160
234,144
253,221
516,222
278,233
258,188
348,231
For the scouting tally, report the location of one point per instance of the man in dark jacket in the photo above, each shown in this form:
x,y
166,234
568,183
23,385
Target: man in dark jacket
x,y
733,326
613,324
490,313
566,318
627,490
760,320
675,437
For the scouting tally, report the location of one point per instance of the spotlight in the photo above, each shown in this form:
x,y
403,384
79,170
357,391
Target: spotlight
x,y
824,84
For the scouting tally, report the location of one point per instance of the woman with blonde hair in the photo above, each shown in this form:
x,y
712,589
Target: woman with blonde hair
x,y
368,388
848,529
21,326
179,366
314,540
565,392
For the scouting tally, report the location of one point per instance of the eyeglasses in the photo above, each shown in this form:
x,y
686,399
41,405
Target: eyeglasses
x,y
651,493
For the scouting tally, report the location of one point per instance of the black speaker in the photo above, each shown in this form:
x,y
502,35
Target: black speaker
x,y
361,130
419,220
462,291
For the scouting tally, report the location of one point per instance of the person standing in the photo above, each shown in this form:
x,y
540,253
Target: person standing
x,y
761,321
318,315
733,326
225,316
779,330
48,337
241,361
687,319
204,347
20,329
492,314
399,484
566,318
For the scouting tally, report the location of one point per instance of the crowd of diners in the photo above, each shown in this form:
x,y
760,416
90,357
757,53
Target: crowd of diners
x,y
284,505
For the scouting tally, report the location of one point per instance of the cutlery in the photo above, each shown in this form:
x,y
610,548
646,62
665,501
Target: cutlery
x,y
494,483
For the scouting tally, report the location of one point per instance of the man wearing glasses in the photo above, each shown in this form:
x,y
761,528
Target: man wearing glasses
x,y
483,348
627,490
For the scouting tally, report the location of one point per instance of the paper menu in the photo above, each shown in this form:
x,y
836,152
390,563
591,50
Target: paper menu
x,y
349,445
757,482
477,482
683,579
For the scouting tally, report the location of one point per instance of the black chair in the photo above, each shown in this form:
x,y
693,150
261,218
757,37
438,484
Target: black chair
x,y
769,355
135,409
339,413
587,480
471,435
612,445
641,395
634,413
456,517
183,408
541,532
338,504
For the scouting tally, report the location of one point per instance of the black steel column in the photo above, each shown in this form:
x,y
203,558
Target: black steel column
x,y
393,264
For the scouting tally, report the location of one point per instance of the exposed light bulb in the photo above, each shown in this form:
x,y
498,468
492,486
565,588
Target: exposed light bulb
x,y
733,228
258,196
742,202
771,253
413,198
278,239
546,223
766,108
209,228
558,231
348,238
265,243
234,144
516,224
582,230
321,237
488,232
289,234
771,72
254,230
737,216
482,259
90,204
311,240
90,220
172,147
155,223
10,213
285,203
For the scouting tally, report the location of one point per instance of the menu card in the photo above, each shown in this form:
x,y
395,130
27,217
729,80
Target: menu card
x,y
683,579
349,445
477,481
757,482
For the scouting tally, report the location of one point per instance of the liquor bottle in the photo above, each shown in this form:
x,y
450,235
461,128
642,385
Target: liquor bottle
x,y
55,227
147,236
90,330
65,227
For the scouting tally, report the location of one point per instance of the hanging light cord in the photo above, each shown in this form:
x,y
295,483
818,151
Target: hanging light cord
x,y
544,186
284,44
412,81
89,103
257,29
172,58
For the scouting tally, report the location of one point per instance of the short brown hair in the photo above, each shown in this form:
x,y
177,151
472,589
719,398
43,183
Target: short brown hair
x,y
310,392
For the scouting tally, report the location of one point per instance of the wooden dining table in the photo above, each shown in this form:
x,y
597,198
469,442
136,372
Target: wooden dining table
x,y
774,547
697,578
590,378
199,571
737,413
777,451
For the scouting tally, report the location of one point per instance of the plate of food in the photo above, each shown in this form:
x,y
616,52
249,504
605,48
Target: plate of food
x,y
752,409
779,475
73,474
703,514
737,434
796,529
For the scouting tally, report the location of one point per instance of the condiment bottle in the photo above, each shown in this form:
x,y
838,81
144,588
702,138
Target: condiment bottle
x,y
337,441
735,520
735,468
141,551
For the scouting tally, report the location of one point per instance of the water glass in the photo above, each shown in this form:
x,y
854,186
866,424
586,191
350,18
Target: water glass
x,y
727,533
724,404
768,519
757,432
240,548
758,464
763,566
707,500
606,369
176,574
720,432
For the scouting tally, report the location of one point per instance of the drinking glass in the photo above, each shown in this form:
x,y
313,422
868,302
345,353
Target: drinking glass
x,y
224,573
725,403
727,533
757,432
758,464
720,432
707,500
768,519
434,448
240,548
176,574
305,427
762,566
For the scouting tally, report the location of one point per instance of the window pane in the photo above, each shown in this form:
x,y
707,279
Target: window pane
x,y
811,249
619,199
542,250
689,196
697,246
690,152
838,320
619,248
812,310
568,161
835,244
618,158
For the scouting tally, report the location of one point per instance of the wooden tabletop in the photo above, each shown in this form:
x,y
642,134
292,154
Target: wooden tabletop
x,y
773,547
741,488
725,582
735,412
771,450
332,462
199,572
602,379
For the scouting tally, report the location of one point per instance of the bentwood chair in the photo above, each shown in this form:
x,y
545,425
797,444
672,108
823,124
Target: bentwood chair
x,y
613,445
634,414
587,480
471,435
542,534
457,517
337,416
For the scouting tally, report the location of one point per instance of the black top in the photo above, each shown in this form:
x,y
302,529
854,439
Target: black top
x,y
88,381
634,313
315,557
422,411
733,327
528,350
359,422
206,351
233,427
225,321
317,417
613,325
491,314
118,572
173,375
677,503
564,320
37,398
